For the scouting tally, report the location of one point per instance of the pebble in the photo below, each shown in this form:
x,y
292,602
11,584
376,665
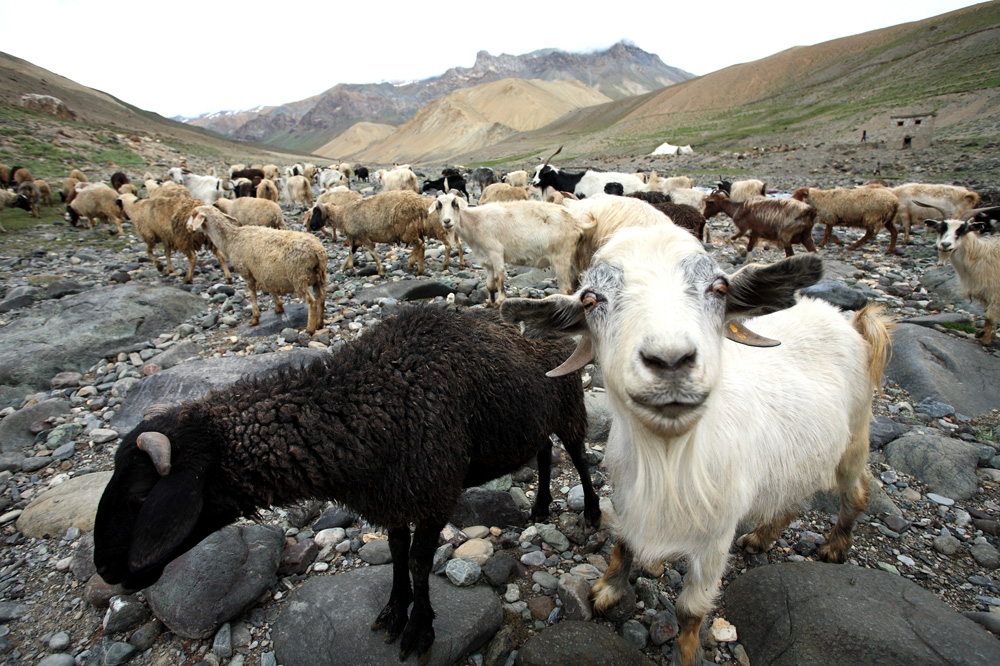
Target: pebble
x,y
723,631
533,559
103,435
938,499
59,641
462,573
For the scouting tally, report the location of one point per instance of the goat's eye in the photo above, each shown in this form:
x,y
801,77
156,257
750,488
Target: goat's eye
x,y
720,287
590,300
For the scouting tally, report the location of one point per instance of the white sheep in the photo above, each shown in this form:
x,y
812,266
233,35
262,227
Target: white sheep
x,y
657,184
400,178
331,178
271,171
707,434
502,192
744,190
951,199
346,170
298,191
248,211
276,260
604,215
206,188
530,233
95,201
976,261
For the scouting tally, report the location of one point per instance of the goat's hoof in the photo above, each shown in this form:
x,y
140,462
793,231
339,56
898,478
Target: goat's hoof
x,y
750,543
416,640
604,596
827,554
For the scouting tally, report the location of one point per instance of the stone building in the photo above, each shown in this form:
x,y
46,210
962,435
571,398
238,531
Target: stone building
x,y
910,128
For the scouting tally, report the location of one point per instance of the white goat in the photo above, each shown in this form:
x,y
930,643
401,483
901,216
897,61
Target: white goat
x,y
207,188
530,233
976,261
331,178
517,178
707,434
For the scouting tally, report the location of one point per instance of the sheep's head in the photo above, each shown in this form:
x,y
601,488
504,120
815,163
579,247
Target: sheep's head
x,y
449,209
318,217
655,308
123,201
24,203
801,194
161,499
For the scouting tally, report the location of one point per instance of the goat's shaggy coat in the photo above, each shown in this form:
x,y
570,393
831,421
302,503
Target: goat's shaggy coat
x,y
276,260
868,208
394,426
781,221
706,433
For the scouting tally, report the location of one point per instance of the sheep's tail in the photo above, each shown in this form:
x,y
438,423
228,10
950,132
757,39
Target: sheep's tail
x,y
874,325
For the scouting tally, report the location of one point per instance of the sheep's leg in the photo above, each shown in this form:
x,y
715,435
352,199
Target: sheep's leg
x,y
419,632
326,230
279,305
255,309
852,482
697,599
751,241
829,235
905,221
349,261
192,260
378,262
607,590
573,443
393,617
762,539
987,334
156,262
869,234
307,296
320,296
225,265
420,249
543,497
892,237
166,254
807,242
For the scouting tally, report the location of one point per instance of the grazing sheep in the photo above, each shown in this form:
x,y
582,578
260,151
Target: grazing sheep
x,y
118,178
707,435
520,232
399,455
338,196
781,221
163,219
742,190
298,191
387,217
29,191
20,175
206,188
5,180
68,189
168,188
278,261
502,192
44,192
951,199
10,199
128,188
79,175
976,261
243,187
517,178
94,202
694,198
346,171
868,208
332,178
271,171
249,211
399,178
267,190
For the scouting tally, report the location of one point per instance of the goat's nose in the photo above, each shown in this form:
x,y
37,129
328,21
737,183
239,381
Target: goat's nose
x,y
667,361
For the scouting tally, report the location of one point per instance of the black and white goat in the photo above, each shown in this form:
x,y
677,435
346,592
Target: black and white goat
x,y
584,184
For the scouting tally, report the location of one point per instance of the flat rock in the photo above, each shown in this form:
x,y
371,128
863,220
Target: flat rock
x,y
938,319
815,614
580,644
942,282
14,433
883,430
838,294
405,290
216,580
179,352
72,503
296,315
955,371
328,619
947,466
195,379
64,335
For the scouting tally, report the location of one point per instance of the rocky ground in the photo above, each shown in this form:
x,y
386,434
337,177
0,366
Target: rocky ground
x,y
53,613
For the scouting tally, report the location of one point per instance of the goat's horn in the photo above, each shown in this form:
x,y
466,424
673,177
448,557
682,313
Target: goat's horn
x,y
927,205
446,184
969,214
737,332
582,355
552,155
155,409
157,445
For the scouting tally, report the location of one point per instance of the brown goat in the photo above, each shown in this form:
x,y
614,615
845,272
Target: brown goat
x,y
781,221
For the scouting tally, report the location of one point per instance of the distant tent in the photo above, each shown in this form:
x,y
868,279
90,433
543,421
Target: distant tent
x,y
667,149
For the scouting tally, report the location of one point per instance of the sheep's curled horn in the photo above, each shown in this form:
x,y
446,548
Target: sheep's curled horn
x,y
157,445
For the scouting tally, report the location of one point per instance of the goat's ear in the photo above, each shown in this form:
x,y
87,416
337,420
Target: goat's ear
x,y
167,517
756,290
553,316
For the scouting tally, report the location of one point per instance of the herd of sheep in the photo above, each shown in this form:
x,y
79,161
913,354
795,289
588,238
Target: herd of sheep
x,y
641,294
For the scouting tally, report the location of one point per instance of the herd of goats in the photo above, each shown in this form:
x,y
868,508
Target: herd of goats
x,y
677,339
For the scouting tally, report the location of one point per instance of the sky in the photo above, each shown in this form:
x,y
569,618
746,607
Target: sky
x,y
188,58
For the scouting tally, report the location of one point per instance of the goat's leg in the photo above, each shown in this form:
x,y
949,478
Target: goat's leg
x,y
762,539
305,293
461,252
697,599
573,443
543,497
852,483
418,636
987,334
393,617
491,287
608,589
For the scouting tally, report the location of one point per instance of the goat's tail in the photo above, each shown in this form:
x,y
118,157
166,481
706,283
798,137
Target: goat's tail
x,y
874,325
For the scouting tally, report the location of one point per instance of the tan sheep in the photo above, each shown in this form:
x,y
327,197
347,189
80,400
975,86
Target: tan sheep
x,y
517,178
868,208
271,171
163,219
388,217
952,199
267,190
278,261
79,175
502,192
657,184
400,178
298,191
95,202
252,212
338,196
22,175
128,188
30,192
44,192
10,199
68,191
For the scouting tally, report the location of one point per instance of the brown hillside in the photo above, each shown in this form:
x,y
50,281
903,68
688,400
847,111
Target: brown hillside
x,y
357,137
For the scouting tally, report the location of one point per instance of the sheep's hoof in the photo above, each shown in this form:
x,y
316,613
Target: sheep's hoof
x,y
254,321
752,544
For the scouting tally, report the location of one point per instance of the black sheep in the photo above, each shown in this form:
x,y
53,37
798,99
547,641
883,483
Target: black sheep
x,y
253,175
361,173
118,178
394,427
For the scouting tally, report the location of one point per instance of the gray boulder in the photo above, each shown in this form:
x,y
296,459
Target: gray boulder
x,y
14,433
217,580
599,416
296,315
328,621
405,290
174,355
74,332
580,644
815,614
942,282
947,466
195,379
838,294
957,372
883,430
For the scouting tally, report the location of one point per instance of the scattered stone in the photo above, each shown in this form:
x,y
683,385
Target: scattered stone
x,y
70,504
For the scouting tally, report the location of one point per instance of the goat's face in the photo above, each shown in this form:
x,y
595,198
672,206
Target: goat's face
x,y
951,232
544,176
159,503
317,217
654,308
449,209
